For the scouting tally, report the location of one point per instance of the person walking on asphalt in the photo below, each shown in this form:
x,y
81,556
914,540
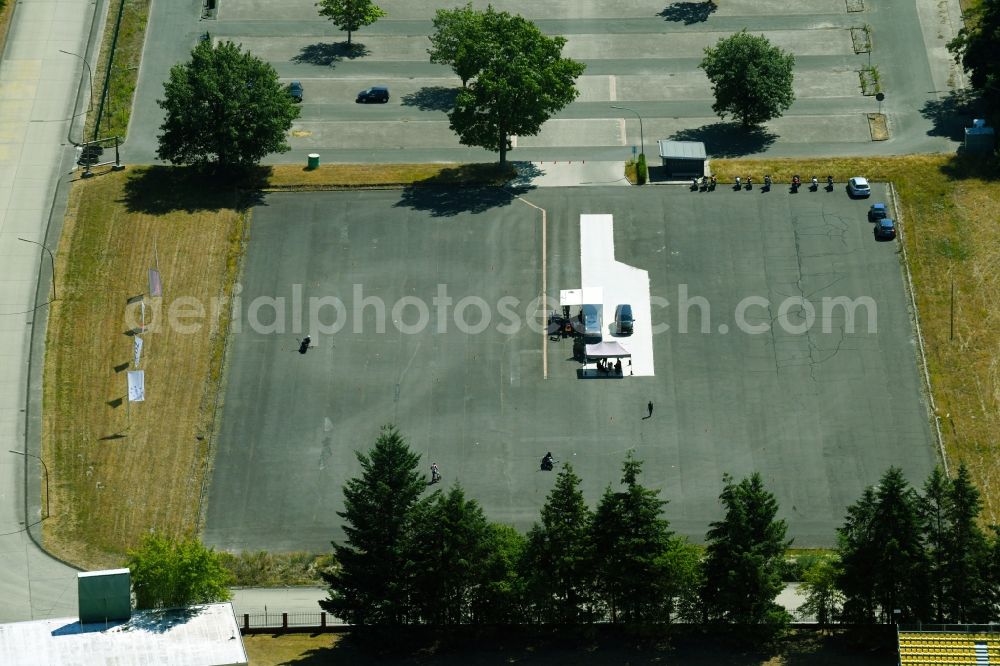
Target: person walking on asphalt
x,y
649,407
435,474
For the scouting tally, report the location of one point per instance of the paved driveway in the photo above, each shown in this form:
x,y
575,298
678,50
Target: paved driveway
x,y
820,408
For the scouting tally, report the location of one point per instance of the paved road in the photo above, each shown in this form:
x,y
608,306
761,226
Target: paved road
x,y
39,88
639,53
305,600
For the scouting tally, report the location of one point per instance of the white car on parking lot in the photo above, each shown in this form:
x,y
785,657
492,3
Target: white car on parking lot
x,y
859,187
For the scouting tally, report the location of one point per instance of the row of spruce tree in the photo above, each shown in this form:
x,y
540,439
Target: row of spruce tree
x,y
413,558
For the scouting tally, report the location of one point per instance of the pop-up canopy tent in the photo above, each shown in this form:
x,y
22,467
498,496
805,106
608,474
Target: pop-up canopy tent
x,y
607,349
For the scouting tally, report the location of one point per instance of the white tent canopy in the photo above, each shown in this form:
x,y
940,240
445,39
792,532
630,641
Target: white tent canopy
x,y
607,349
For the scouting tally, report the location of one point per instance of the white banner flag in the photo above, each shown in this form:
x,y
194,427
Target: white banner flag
x,y
137,346
136,386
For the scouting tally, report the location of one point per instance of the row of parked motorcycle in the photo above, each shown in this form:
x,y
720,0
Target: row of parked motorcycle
x,y
709,183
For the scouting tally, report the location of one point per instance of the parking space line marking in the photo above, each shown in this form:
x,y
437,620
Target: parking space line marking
x,y
545,288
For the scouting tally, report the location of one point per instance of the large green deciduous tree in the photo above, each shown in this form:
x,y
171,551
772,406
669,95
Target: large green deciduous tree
x,y
884,566
633,565
522,80
556,565
369,587
456,41
823,599
976,48
224,106
751,79
172,573
350,15
744,559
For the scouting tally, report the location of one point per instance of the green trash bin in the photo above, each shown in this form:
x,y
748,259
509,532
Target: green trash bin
x,y
313,161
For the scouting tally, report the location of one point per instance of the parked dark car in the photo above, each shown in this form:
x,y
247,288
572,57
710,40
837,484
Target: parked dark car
x,y
373,95
624,322
885,229
295,91
877,212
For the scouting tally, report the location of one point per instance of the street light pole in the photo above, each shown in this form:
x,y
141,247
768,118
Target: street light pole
x,y
642,139
52,263
90,75
44,469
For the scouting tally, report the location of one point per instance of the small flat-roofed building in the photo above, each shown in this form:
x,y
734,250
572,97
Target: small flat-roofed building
x,y
205,635
979,138
108,631
683,158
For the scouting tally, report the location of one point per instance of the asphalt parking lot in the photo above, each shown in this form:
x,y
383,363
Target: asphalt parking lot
x,y
820,411
641,54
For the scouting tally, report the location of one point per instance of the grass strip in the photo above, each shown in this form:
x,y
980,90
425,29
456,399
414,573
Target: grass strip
x,y
120,470
263,569
6,13
124,69
335,176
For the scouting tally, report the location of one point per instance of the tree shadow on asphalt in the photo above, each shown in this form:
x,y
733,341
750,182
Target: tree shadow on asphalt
x,y
158,190
952,113
728,139
688,12
330,54
432,98
448,201
469,188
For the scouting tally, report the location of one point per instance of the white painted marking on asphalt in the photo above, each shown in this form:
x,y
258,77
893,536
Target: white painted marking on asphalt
x,y
621,284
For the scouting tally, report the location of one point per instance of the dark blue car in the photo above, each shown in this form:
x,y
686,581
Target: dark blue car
x,y
877,212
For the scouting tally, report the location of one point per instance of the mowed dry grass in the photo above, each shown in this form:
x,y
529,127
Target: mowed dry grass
x,y
120,471
951,226
326,176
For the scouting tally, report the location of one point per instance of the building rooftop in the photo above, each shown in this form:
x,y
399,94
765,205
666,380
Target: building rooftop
x,y
206,635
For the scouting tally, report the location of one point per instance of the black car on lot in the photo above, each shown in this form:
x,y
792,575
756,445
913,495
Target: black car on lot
x,y
885,229
375,94
295,91
623,319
